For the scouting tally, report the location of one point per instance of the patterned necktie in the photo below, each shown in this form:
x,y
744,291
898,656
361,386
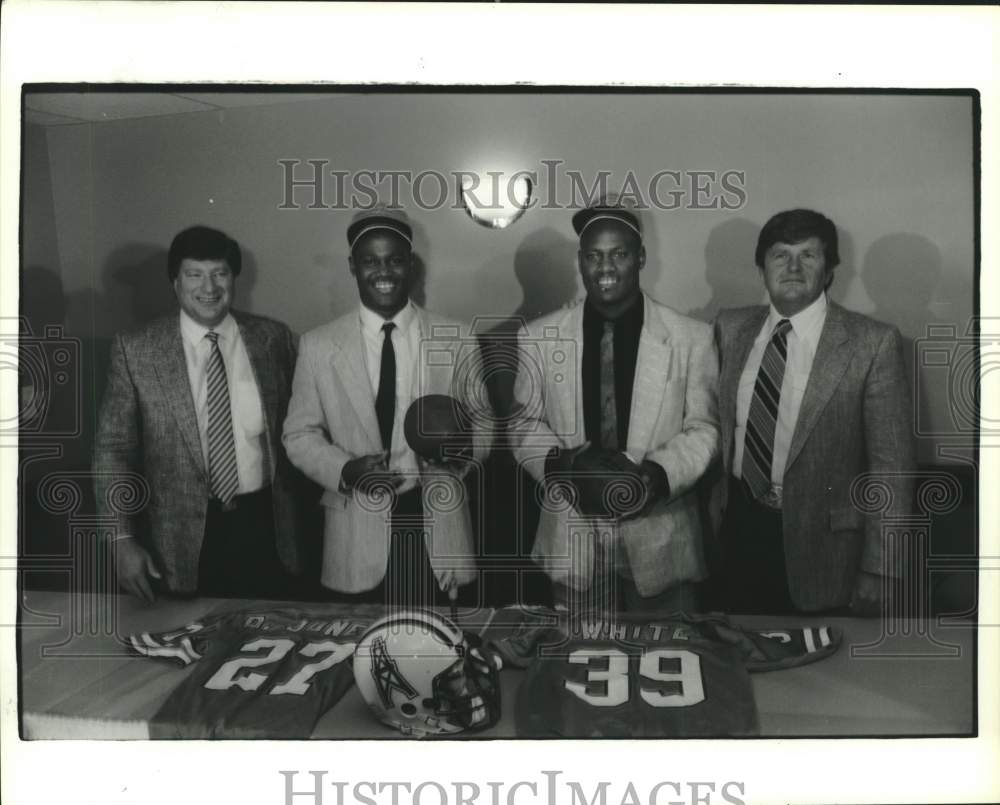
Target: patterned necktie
x,y
609,411
223,476
385,400
758,444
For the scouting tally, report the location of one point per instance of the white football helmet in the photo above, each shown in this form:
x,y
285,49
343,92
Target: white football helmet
x,y
421,674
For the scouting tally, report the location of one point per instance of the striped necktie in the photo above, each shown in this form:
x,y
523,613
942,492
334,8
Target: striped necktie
x,y
758,445
223,476
609,411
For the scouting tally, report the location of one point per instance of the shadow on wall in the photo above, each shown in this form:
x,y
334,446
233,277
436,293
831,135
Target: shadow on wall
x,y
418,281
51,365
418,275
52,420
42,299
729,268
901,273
545,268
654,269
135,281
841,290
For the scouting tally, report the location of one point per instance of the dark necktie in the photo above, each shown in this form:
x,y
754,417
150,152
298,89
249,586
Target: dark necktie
x,y
609,410
758,445
385,400
223,477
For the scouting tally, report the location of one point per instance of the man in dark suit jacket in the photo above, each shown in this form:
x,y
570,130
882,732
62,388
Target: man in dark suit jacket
x,y
194,404
811,396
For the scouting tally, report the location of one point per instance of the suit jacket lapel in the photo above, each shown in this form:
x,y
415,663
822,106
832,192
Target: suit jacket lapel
x,y
423,379
652,368
832,356
170,366
568,401
729,382
349,363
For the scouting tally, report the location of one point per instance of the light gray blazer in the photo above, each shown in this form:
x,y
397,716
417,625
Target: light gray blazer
x,y
147,424
856,417
331,419
673,421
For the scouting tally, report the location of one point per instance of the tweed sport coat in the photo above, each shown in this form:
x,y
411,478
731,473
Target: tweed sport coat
x,y
855,417
673,421
147,425
331,419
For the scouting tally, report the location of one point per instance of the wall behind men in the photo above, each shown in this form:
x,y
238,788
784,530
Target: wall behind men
x,y
894,172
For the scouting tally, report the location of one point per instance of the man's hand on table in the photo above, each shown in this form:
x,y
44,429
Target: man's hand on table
x,y
135,569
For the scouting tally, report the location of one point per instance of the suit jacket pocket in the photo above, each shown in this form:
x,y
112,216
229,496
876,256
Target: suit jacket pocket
x,y
670,417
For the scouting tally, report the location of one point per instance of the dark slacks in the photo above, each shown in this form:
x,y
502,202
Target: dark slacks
x,y
409,578
239,557
752,575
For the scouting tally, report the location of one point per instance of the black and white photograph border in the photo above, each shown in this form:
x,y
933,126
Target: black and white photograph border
x,y
712,63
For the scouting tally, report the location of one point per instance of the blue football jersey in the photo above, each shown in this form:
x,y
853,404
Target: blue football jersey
x,y
630,677
268,673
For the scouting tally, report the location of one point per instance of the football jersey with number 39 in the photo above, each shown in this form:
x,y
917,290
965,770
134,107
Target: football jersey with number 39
x,y
256,673
632,677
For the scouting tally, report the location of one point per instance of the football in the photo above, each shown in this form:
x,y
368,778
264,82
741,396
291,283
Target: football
x,y
608,483
437,427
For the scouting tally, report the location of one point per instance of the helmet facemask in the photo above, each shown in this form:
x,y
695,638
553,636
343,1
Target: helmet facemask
x,y
467,694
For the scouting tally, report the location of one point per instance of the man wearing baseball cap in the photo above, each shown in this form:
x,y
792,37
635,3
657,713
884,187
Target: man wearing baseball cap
x,y
387,536
634,407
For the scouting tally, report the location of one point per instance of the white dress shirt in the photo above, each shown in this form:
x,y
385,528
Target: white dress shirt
x,y
406,345
803,338
244,397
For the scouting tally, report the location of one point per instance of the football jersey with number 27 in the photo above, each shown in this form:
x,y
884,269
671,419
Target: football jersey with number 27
x,y
267,673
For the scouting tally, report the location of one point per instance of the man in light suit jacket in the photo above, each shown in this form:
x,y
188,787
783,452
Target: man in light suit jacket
x,y
811,396
194,404
619,375
397,530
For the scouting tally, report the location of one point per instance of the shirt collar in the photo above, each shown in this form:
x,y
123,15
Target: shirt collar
x,y
372,322
593,318
194,333
805,321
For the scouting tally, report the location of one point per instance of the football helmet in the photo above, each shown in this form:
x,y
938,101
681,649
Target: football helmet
x,y
421,674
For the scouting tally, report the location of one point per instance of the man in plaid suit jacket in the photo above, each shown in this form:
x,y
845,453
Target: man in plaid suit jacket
x,y
154,420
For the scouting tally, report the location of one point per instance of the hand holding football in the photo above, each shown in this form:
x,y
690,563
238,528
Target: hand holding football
x,y
438,428
608,484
